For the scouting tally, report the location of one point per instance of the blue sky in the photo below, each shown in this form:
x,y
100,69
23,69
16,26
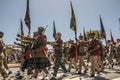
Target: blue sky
x,y
43,12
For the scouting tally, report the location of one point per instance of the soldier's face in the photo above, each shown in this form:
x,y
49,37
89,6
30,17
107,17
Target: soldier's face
x,y
1,35
58,36
40,31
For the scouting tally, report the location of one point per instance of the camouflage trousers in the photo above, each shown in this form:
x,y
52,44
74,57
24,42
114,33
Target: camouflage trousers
x,y
110,61
59,63
2,70
5,64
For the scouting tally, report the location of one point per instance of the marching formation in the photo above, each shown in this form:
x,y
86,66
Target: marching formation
x,y
36,57
81,55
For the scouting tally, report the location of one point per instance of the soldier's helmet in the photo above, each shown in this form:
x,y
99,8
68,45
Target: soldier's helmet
x,y
41,28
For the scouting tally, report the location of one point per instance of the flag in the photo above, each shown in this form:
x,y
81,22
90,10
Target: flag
x,y
21,28
27,17
102,30
54,29
73,20
85,38
112,39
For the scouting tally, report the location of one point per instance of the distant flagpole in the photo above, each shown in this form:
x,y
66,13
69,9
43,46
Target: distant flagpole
x,y
54,30
27,17
119,23
73,21
84,34
21,27
102,30
112,39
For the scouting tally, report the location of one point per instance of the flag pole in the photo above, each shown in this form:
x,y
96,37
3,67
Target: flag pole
x,y
75,35
119,23
73,21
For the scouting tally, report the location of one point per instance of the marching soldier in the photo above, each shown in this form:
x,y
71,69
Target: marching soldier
x,y
73,53
81,53
118,51
26,52
94,49
109,46
2,56
39,61
58,55
66,52
100,56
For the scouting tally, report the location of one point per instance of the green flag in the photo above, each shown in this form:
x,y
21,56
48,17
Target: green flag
x,y
73,21
27,17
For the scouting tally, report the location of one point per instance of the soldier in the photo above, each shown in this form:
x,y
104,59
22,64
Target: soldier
x,y
26,49
39,61
73,53
66,52
81,53
100,56
94,49
58,55
2,56
110,48
118,51
5,58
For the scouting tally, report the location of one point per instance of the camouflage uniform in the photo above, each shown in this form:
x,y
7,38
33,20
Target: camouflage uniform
x,y
110,54
2,70
118,52
58,56
66,53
